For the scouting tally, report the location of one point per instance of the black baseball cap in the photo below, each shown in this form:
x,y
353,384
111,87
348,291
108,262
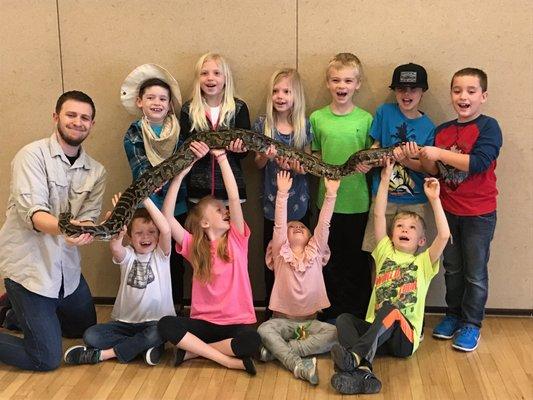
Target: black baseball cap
x,y
410,75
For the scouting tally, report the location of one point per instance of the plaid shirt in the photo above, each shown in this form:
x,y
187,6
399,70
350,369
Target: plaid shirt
x,y
134,147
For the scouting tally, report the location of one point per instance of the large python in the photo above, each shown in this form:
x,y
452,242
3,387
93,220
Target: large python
x,y
155,177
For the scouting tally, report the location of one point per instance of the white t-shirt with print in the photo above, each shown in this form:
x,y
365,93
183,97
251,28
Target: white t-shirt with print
x,y
145,292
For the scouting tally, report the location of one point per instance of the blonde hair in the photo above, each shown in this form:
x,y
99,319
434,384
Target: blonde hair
x,y
198,104
200,258
345,60
297,114
409,214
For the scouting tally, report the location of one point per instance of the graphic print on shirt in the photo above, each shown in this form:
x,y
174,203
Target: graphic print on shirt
x,y
396,284
401,183
451,176
140,275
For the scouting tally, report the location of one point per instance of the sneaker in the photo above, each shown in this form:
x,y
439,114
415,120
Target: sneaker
x,y
343,359
153,354
447,327
467,339
357,381
307,370
265,355
179,355
249,366
82,355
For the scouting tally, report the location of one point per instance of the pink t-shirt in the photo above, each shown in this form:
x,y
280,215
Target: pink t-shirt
x,y
227,298
299,288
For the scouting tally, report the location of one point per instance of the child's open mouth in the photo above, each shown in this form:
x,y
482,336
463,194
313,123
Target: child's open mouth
x,y
404,238
342,94
464,106
146,244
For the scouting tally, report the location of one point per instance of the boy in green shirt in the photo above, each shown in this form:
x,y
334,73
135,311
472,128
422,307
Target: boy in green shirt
x,y
341,129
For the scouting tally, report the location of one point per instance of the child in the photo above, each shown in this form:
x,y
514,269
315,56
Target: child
x,y
465,155
151,92
220,326
213,107
396,310
299,292
144,295
285,122
341,129
403,123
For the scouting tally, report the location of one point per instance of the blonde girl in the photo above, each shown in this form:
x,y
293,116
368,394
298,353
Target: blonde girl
x,y
214,107
285,122
215,242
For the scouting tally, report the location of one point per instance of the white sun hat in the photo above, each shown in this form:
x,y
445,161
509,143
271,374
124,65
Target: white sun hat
x,y
129,90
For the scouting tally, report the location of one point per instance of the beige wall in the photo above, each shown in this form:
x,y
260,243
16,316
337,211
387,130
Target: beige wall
x,y
93,45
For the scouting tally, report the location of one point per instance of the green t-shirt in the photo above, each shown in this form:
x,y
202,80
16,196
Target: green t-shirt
x,y
403,280
337,137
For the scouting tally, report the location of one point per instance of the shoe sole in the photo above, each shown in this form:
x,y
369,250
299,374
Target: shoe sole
x,y
347,385
466,349
79,346
442,336
147,357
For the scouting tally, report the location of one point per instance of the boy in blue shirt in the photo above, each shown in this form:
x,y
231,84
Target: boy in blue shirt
x,y
395,123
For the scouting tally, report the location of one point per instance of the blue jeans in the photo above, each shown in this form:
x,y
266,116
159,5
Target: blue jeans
x,y
465,264
127,339
43,320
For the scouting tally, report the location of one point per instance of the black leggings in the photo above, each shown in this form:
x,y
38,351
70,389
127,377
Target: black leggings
x,y
245,339
389,334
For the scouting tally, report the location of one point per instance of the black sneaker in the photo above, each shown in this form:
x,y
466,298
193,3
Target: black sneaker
x,y
179,355
249,366
357,381
343,359
153,354
82,355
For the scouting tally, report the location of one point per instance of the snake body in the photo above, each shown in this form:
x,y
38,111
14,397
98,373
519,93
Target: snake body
x,y
155,177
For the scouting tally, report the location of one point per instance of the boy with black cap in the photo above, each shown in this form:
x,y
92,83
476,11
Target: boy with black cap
x,y
402,123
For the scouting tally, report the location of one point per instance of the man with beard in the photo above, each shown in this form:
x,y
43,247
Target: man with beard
x,y
41,267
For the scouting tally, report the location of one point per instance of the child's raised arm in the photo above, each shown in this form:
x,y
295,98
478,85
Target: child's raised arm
x,y
380,206
321,232
165,238
200,149
284,182
232,190
118,250
432,190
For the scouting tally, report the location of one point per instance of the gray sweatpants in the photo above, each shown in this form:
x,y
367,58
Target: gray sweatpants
x,y
278,335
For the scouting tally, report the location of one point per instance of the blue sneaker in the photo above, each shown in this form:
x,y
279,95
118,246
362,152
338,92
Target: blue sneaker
x,y
467,339
447,327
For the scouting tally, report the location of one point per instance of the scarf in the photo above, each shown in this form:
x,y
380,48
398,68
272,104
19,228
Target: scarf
x,y
158,149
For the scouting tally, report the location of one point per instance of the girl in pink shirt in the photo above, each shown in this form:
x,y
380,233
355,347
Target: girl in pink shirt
x,y
299,292
220,326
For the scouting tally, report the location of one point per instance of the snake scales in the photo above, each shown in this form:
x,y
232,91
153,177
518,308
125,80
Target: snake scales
x,y
158,175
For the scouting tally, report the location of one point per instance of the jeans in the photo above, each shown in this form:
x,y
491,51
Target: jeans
x,y
43,320
465,262
277,335
389,334
127,339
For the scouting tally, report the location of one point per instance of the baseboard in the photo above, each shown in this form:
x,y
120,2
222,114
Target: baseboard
x,y
430,309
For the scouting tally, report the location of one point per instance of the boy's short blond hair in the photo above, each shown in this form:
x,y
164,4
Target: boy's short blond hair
x,y
345,60
409,214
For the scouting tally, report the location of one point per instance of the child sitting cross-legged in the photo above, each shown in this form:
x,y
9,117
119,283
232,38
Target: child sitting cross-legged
x,y
396,310
299,292
144,295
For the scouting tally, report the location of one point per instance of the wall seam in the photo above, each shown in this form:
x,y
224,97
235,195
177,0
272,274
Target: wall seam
x,y
60,48
297,38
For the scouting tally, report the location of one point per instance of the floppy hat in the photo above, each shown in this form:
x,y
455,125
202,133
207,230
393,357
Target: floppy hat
x,y
409,75
129,91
